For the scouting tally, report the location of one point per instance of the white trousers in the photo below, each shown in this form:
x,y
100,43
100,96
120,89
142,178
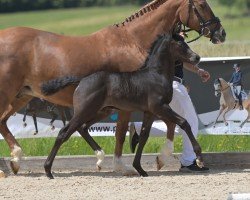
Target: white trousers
x,y
236,90
182,105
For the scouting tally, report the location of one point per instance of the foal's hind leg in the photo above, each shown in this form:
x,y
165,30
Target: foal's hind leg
x,y
16,151
64,134
62,137
92,143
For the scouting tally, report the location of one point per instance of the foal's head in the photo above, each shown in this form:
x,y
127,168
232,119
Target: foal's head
x,y
169,48
182,52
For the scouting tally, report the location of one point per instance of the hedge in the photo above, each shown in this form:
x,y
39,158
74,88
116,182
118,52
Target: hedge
x,y
26,5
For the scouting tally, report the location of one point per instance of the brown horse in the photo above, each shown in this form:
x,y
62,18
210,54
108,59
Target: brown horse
x,y
28,57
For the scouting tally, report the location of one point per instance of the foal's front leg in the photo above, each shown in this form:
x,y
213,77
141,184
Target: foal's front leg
x,y
148,120
165,113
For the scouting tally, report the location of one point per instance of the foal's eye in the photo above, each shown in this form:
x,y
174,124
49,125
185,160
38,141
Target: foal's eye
x,y
180,43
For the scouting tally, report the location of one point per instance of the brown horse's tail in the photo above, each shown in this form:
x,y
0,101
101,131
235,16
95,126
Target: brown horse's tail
x,y
53,86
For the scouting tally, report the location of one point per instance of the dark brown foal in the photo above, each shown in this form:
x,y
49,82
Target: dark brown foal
x,y
149,90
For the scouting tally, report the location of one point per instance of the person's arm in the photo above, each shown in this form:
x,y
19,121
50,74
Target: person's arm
x,y
231,78
205,76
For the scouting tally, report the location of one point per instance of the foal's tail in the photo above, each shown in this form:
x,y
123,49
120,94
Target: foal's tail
x,y
53,86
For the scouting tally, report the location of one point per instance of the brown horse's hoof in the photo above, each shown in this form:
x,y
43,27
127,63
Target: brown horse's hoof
x,y
15,166
2,174
52,128
159,163
98,167
36,133
24,125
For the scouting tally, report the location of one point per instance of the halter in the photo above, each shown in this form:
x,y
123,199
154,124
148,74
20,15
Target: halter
x,y
203,23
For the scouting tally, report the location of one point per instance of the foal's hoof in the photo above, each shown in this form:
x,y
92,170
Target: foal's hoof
x,y
49,175
226,123
159,163
36,133
143,173
52,128
24,125
15,166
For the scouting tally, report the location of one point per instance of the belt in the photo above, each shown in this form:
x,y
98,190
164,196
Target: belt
x,y
179,80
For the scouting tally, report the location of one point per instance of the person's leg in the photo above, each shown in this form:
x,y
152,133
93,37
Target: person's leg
x,y
182,104
238,88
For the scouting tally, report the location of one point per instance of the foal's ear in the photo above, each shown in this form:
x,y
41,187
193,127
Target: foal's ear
x,y
168,37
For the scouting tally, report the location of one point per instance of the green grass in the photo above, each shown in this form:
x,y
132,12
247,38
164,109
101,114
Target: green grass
x,y
77,146
83,21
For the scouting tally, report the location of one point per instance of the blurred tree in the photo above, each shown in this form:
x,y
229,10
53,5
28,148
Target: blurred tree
x,y
242,4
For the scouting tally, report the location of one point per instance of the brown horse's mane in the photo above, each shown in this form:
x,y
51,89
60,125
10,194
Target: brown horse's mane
x,y
145,9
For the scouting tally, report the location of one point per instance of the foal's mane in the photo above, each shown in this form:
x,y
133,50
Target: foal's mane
x,y
153,5
152,48
175,37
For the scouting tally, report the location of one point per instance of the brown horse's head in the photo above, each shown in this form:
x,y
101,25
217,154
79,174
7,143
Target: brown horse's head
x,y
197,15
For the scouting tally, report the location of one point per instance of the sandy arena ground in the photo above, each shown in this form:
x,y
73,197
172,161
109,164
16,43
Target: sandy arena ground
x,y
108,185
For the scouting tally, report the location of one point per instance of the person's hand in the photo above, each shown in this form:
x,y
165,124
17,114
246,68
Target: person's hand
x,y
205,76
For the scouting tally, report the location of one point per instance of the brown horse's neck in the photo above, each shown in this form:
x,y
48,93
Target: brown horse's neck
x,y
161,18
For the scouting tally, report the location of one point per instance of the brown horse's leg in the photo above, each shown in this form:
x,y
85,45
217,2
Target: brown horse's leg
x,y
165,113
168,148
121,130
16,151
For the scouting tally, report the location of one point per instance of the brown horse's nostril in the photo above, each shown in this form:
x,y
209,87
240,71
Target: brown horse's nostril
x,y
223,33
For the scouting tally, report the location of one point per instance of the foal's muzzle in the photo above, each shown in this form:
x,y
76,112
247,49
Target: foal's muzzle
x,y
195,59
